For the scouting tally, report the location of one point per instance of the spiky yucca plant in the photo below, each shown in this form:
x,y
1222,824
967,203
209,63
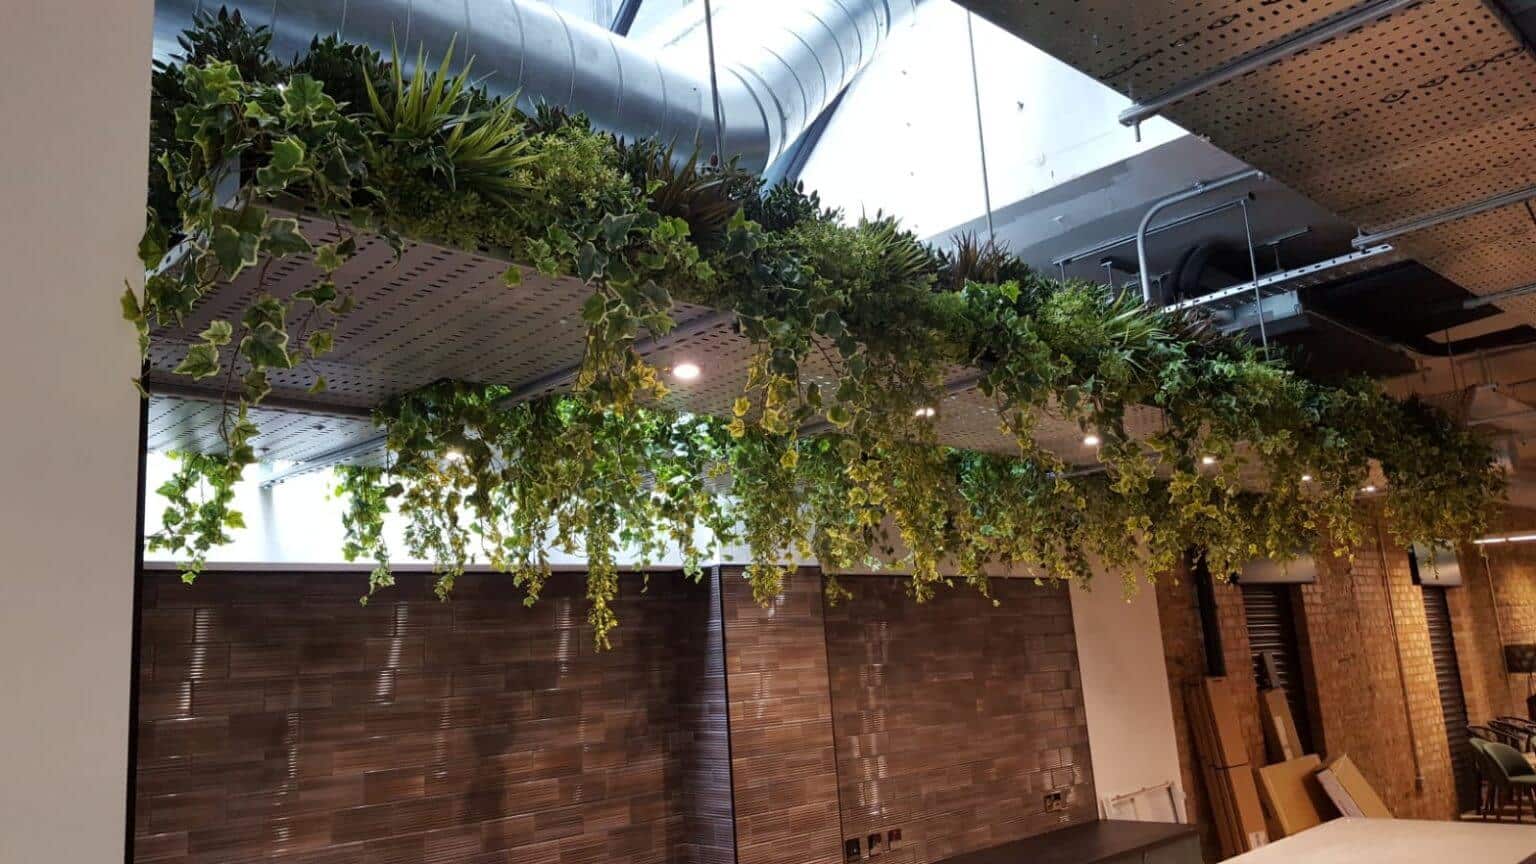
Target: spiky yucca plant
x,y
434,120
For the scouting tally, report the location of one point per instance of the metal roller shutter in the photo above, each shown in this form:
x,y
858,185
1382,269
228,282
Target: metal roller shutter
x,y
1453,704
1272,628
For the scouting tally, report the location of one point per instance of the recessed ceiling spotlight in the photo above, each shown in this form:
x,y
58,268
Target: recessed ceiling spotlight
x,y
1306,478
925,411
1368,488
454,456
1207,460
686,371
1090,440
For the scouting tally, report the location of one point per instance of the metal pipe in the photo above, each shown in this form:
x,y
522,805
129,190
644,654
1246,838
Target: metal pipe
x,y
1397,647
1498,296
1143,271
156,387
1131,238
1253,265
785,61
1295,44
1448,215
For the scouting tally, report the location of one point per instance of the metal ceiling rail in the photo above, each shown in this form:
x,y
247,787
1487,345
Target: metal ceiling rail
x,y
1451,214
1284,277
1498,296
560,377
294,404
1143,272
1171,224
1295,44
951,387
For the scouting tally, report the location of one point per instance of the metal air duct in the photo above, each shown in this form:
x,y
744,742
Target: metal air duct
x,y
779,64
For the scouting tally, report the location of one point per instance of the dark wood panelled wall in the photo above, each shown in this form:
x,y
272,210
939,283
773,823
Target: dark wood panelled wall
x,y
280,720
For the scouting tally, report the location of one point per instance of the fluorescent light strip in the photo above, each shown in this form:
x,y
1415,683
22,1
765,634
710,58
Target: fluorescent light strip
x,y
1507,538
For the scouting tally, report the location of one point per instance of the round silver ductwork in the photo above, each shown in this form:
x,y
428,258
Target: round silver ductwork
x,y
779,64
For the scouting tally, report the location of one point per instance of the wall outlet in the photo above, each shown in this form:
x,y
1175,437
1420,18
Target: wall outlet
x,y
1055,801
893,839
874,844
851,849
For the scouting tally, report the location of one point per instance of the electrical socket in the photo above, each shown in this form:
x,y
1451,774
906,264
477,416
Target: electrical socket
x,y
1055,801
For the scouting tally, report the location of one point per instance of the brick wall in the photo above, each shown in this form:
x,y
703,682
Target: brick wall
x,y
783,764
1347,621
281,720
1184,651
955,718
1350,669
1495,606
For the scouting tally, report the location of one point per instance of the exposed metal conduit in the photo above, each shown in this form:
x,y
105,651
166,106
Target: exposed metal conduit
x,y
784,62
1308,38
1144,273
1171,224
1449,215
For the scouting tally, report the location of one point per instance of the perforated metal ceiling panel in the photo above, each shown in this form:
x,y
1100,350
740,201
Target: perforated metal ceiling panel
x,y
1431,107
1144,47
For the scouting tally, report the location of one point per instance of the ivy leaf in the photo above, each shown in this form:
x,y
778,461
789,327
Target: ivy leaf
x,y
589,262
328,258
616,228
234,250
152,245
322,292
512,276
319,384
320,342
285,166
345,304
130,303
303,98
218,332
282,237
202,361
255,385
266,346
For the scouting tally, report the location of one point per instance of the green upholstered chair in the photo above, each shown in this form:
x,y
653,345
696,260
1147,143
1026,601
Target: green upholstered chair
x,y
1511,776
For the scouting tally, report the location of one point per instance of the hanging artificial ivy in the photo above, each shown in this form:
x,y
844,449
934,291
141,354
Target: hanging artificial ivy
x,y
605,469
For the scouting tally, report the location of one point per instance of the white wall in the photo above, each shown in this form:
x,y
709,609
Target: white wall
x,y
73,150
1125,690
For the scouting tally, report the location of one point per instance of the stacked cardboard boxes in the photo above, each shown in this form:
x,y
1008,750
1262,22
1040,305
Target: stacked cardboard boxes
x,y
1224,763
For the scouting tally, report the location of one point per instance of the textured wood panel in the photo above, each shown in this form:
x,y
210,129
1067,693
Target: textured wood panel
x,y
282,721
954,719
783,765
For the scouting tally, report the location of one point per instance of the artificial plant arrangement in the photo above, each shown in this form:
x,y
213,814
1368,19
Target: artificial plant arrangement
x,y
430,156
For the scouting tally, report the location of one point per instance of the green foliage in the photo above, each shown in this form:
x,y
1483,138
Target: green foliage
x,y
857,328
198,515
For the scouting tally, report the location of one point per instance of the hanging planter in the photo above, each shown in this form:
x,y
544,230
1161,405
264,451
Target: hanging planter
x,y
1251,459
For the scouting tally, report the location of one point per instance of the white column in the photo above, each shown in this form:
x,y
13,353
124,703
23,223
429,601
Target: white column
x,y
73,151
1125,690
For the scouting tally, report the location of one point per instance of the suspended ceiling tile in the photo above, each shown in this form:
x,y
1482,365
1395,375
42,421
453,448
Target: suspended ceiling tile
x,y
1146,47
1424,109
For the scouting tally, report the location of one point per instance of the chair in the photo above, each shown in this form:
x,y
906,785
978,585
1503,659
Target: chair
x,y
1510,774
1486,773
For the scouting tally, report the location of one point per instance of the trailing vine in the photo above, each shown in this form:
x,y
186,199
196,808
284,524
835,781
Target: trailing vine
x,y
605,471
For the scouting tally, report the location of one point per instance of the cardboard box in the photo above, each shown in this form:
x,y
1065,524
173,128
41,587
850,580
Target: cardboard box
x,y
1343,783
1249,815
1228,749
1279,726
1294,796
